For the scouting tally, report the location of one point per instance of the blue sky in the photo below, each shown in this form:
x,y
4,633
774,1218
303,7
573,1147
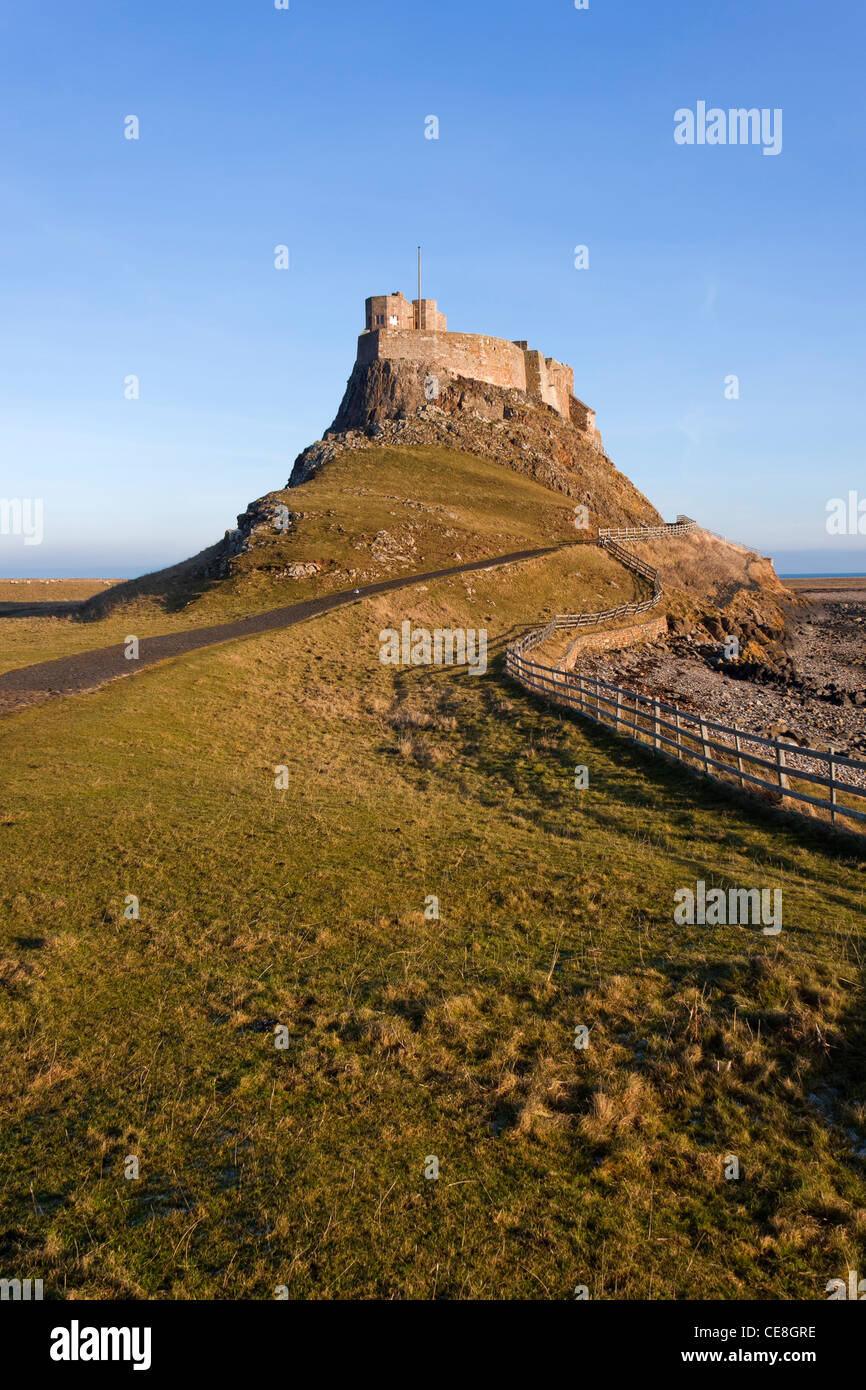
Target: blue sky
x,y
305,127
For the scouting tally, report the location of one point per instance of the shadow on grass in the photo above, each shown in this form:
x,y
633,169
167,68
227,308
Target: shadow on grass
x,y
830,1075
694,788
46,608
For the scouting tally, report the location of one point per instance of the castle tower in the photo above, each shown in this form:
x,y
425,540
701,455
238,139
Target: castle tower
x,y
427,316
387,312
398,331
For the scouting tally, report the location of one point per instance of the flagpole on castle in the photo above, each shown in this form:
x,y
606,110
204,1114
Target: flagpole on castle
x,y
419,286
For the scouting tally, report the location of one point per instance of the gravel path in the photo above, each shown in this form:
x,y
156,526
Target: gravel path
x,y
69,675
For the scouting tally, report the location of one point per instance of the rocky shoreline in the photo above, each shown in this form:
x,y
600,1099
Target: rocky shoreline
x,y
815,696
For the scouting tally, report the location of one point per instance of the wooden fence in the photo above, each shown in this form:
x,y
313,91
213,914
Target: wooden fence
x,y
569,621
812,781
636,533
836,783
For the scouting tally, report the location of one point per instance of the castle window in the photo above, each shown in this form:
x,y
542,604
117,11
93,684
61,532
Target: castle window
x,y
380,318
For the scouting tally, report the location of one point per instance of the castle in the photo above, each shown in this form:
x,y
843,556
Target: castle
x,y
417,333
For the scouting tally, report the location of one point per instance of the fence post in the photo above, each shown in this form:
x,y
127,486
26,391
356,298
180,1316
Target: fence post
x,y
704,748
780,765
739,756
656,743
618,707
832,784
679,738
637,728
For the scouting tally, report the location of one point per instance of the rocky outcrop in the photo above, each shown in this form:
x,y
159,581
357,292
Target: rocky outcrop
x,y
384,390
390,403
263,515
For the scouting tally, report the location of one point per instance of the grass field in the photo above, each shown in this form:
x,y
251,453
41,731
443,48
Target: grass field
x,y
17,592
410,1038
832,583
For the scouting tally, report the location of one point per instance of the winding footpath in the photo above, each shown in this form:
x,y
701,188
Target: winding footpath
x,y
720,751
85,671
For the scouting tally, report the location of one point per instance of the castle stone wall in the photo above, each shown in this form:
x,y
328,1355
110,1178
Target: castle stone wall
x,y
392,334
560,386
581,416
549,381
465,354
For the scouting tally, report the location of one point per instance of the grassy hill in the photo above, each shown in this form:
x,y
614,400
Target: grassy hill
x,y
369,515
408,1037
373,514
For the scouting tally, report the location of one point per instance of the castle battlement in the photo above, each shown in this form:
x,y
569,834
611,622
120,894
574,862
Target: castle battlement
x,y
389,311
399,331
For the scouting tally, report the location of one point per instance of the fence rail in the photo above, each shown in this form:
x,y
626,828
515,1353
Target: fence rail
x,y
723,752
634,533
568,622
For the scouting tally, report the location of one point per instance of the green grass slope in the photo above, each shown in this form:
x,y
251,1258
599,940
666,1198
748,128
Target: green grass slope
x,y
369,515
409,1038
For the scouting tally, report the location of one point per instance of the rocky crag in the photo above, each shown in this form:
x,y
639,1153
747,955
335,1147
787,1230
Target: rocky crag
x,y
436,394
390,403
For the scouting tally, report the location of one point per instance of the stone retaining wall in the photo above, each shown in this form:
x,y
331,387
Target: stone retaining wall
x,y
611,641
